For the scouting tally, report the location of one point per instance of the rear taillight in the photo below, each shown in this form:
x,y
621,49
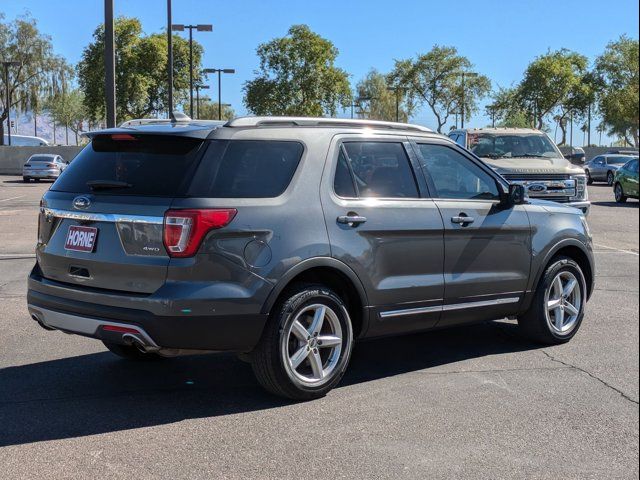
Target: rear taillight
x,y
185,229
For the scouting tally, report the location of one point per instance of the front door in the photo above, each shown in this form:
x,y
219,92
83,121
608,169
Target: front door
x,y
383,228
487,254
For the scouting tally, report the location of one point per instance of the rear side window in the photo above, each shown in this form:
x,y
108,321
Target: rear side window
x,y
125,164
376,169
246,169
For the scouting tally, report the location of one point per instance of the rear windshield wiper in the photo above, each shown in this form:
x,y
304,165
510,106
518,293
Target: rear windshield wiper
x,y
107,184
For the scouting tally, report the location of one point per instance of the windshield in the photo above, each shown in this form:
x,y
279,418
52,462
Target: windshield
x,y
491,145
618,160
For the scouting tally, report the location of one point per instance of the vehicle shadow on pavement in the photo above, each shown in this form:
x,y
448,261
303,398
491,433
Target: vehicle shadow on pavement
x,y
629,204
99,393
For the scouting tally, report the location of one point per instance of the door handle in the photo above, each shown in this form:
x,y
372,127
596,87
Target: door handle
x,y
351,219
462,219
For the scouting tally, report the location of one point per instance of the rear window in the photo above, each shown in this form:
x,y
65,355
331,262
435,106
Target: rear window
x,y
246,169
41,159
125,164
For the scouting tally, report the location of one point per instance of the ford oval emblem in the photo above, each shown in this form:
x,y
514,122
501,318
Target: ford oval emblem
x,y
81,203
537,188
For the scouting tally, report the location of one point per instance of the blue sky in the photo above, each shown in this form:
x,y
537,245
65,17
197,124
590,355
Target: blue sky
x,y
499,36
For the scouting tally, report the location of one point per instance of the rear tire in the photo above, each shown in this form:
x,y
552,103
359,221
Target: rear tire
x,y
306,345
618,191
610,179
26,179
130,352
557,309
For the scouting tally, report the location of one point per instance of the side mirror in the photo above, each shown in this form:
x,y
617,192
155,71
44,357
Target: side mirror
x,y
517,195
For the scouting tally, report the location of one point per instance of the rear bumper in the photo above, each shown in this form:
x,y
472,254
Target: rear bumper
x,y
73,310
41,174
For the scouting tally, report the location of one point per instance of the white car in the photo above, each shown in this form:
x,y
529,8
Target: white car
x,y
43,165
25,141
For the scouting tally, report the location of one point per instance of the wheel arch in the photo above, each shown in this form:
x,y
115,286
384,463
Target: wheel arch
x,y
334,274
578,252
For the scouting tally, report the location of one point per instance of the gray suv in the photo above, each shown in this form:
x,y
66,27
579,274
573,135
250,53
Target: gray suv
x,y
287,239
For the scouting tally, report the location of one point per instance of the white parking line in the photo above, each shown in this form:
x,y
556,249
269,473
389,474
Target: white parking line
x,y
617,249
12,198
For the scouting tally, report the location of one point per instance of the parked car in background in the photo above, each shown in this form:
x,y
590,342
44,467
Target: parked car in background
x,y
43,166
286,239
25,141
575,155
603,167
528,157
625,183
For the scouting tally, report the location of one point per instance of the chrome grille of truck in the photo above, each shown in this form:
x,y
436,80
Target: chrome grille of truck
x,y
546,187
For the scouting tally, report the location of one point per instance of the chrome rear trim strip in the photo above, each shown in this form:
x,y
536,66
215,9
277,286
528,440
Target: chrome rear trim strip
x,y
446,308
102,217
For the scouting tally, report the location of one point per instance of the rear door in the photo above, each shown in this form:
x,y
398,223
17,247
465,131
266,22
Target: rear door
x,y
381,225
101,222
487,253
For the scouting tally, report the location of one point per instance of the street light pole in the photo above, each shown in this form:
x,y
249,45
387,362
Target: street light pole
x,y
170,59
397,90
219,71
6,65
356,102
199,87
464,74
199,28
109,65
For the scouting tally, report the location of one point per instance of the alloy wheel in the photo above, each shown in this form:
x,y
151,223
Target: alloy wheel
x,y
563,300
312,344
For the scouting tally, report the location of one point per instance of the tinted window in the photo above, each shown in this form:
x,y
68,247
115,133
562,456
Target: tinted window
x,y
246,169
381,169
343,181
40,159
617,160
153,165
455,176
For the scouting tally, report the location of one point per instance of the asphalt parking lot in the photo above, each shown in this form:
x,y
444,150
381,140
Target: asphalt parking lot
x,y
475,402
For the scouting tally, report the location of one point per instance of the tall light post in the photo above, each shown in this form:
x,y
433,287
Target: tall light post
x,y
219,71
109,65
169,60
191,28
356,103
198,87
463,75
397,89
6,65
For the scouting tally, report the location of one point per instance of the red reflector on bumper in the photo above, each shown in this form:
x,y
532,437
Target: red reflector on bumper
x,y
115,328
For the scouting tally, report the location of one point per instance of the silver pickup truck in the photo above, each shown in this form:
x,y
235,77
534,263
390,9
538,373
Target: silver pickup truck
x,y
528,157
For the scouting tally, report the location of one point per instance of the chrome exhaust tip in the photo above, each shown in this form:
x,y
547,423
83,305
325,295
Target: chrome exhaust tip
x,y
134,340
41,323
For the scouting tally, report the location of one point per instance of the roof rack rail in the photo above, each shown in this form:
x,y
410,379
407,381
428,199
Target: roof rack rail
x,y
322,122
155,121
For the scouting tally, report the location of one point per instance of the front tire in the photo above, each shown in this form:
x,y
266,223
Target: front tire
x,y
26,179
618,192
558,307
589,179
610,179
306,345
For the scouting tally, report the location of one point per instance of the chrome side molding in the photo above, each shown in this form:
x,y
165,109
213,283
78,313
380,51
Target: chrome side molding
x,y
447,308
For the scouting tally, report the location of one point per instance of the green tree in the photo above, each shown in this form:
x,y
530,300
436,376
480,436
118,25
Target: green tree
x,y
434,79
382,102
141,71
507,109
208,110
67,108
297,76
40,71
556,83
617,70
